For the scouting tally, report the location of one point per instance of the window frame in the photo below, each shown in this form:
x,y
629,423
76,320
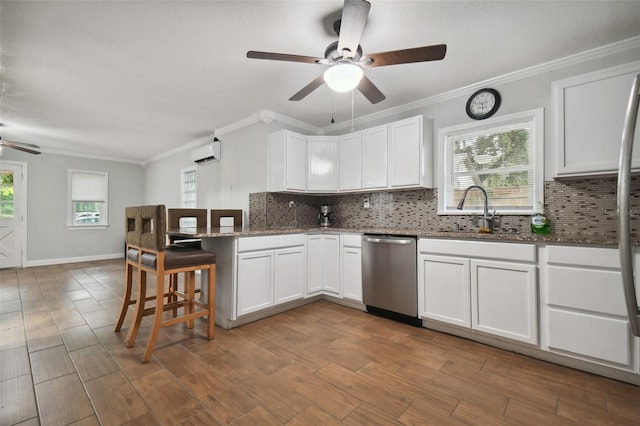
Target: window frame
x,y
104,223
445,135
183,173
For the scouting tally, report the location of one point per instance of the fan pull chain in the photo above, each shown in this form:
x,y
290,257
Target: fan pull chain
x,y
332,120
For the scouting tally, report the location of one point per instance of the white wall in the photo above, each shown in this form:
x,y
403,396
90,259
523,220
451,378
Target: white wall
x,y
224,184
49,240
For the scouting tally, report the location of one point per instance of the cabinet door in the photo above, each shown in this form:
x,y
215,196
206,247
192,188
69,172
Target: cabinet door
x,y
405,143
504,300
314,264
323,173
589,115
289,274
351,279
296,160
331,263
255,281
444,289
374,158
350,160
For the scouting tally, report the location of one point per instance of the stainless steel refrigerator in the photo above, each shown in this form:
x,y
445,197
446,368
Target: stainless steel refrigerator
x,y
623,208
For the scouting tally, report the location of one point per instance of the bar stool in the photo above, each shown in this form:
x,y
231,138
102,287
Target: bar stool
x,y
218,214
147,252
175,216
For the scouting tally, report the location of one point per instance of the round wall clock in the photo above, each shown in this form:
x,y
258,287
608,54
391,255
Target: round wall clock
x,y
483,104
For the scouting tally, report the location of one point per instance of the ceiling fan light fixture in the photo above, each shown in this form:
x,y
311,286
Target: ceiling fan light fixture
x,y
343,77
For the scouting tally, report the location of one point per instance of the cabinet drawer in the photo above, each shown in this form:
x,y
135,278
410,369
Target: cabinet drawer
x,y
481,249
587,289
584,256
352,240
596,337
270,242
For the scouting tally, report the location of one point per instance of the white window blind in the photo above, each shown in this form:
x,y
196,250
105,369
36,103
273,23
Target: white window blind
x,y
86,186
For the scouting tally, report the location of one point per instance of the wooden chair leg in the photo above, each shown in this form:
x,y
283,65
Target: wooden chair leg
x,y
173,288
157,316
126,297
139,309
190,284
211,302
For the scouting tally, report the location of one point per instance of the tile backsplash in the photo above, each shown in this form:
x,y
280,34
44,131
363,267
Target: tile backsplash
x,y
576,208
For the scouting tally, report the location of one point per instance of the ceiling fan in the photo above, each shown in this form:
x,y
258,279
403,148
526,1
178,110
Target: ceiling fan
x,y
20,146
345,56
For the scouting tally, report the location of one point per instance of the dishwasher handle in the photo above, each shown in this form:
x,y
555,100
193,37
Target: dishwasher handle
x,y
399,241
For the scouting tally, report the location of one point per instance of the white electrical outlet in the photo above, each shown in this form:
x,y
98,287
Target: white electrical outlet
x,y
366,203
291,204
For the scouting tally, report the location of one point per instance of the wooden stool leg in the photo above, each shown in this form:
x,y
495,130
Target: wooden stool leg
x,y
126,297
139,309
173,287
157,316
190,284
211,302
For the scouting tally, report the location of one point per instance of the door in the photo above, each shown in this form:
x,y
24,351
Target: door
x,y
322,168
255,281
352,273
350,158
404,152
445,287
289,274
331,263
12,194
374,158
314,264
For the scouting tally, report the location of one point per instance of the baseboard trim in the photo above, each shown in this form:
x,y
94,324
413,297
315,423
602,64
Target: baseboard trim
x,y
59,261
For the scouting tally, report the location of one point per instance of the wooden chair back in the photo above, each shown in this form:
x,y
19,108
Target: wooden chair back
x,y
218,214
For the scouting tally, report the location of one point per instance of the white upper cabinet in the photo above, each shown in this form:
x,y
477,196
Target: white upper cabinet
x,y
390,156
406,153
589,112
287,161
323,163
374,158
350,158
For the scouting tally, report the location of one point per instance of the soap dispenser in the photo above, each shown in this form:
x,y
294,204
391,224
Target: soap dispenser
x,y
539,222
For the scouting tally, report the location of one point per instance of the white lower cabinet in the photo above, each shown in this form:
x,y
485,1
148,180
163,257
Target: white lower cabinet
x,y
505,299
255,281
270,271
351,266
289,274
446,293
585,307
323,263
458,286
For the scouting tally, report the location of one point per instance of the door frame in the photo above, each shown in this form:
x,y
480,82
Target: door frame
x,y
23,207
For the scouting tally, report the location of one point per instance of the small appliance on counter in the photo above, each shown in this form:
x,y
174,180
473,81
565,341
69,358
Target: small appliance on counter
x,y
324,217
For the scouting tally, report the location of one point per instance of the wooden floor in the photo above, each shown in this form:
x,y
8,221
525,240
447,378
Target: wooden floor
x,y
61,363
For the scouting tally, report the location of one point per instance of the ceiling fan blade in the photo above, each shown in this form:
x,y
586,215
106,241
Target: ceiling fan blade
x,y
19,146
319,81
370,91
252,54
30,145
406,56
354,18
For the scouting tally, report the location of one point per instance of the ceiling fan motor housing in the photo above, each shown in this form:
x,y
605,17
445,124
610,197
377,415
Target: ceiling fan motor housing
x,y
332,55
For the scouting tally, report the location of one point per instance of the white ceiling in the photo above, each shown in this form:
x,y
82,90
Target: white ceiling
x,y
133,80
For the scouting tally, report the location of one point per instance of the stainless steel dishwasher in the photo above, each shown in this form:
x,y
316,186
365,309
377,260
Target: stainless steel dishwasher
x,y
389,277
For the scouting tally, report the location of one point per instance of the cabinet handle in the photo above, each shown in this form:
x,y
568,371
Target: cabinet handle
x,y
624,225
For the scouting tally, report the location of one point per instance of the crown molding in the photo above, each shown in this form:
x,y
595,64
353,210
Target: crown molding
x,y
575,59
93,156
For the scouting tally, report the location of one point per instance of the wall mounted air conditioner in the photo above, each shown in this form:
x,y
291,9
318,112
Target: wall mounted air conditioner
x,y
206,153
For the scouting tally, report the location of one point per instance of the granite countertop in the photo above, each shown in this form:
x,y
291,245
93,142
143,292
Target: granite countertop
x,y
526,237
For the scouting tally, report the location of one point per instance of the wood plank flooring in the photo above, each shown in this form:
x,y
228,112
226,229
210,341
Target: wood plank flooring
x,y
321,364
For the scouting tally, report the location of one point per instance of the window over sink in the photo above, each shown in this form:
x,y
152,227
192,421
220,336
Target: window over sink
x,y
504,155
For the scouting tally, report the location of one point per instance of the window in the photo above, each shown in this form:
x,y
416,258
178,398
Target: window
x,y
188,193
6,194
502,154
88,198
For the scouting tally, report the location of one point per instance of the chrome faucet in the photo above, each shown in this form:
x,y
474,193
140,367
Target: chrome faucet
x,y
487,219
